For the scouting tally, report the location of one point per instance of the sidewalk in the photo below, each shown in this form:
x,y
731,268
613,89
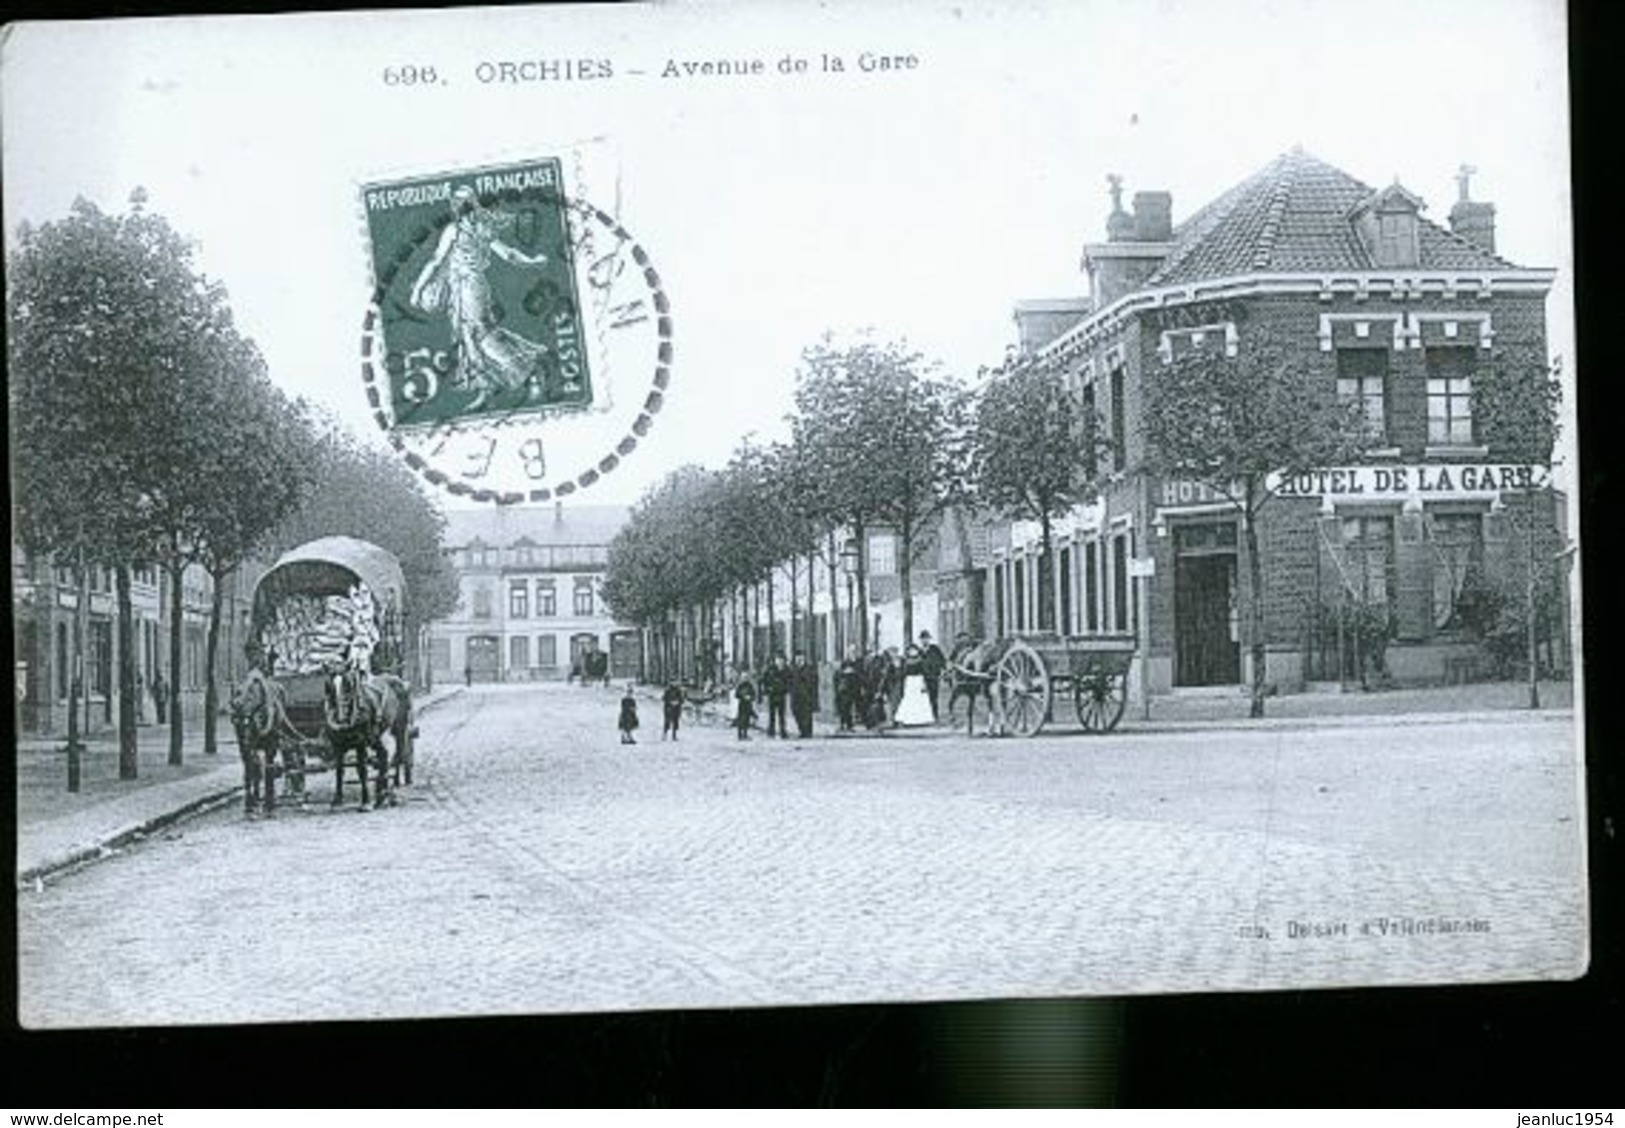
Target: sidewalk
x,y
57,829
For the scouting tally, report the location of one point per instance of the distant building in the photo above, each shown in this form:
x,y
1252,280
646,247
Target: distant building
x,y
530,601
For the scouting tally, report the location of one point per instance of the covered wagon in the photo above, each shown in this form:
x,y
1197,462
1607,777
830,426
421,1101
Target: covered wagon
x,y
326,604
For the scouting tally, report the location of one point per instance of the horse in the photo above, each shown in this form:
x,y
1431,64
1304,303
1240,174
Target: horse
x,y
971,670
259,717
357,710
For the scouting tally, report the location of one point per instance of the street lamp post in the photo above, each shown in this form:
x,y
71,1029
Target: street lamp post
x,y
849,568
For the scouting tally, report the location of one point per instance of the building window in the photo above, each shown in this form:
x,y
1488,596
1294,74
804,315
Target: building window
x,y
1458,549
882,555
1396,239
1065,579
518,653
1362,379
1120,606
1020,584
519,599
1119,421
583,597
523,554
1368,545
998,600
482,602
1091,587
547,599
547,650
1450,397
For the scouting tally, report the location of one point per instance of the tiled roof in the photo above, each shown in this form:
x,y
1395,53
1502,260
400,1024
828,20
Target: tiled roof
x,y
1293,215
542,525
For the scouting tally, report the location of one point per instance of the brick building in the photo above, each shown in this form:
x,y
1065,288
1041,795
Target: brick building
x,y
1393,310
530,601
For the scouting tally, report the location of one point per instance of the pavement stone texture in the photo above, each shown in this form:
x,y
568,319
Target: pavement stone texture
x,y
538,865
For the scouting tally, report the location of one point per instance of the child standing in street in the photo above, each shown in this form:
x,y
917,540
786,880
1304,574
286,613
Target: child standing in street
x,y
745,694
629,717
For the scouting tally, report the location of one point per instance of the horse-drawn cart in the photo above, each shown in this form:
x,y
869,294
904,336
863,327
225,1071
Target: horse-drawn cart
x,y
328,617
1025,673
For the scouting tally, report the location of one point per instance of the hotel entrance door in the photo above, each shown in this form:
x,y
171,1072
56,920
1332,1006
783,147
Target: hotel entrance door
x,y
1206,642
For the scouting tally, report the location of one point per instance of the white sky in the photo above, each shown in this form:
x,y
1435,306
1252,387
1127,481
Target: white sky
x,y
923,203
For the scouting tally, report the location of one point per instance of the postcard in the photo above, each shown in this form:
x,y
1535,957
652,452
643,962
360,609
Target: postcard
x,y
562,509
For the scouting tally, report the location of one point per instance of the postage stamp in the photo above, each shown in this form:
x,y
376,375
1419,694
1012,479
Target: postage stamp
x,y
479,309
504,305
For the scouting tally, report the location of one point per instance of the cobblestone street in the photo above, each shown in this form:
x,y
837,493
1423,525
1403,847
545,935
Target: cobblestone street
x,y
538,865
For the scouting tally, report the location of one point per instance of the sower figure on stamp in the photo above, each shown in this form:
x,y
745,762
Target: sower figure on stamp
x,y
776,685
672,702
490,357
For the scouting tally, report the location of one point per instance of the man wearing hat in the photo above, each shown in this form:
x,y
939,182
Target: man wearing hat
x,y
932,664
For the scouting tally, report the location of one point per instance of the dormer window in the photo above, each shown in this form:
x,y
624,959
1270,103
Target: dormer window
x,y
1387,223
1396,239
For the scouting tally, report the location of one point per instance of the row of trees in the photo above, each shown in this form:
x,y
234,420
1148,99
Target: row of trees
x,y
146,430
882,438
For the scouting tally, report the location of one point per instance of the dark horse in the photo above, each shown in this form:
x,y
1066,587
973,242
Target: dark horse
x,y
259,717
358,709
971,673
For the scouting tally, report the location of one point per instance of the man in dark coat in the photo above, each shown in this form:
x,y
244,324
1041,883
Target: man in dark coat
x,y
776,687
803,695
932,664
848,687
672,702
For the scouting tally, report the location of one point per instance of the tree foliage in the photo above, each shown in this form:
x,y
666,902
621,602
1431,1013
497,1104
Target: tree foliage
x,y
1231,423
368,493
1035,454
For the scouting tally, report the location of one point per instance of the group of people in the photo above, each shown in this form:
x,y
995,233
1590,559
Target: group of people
x,y
890,688
878,691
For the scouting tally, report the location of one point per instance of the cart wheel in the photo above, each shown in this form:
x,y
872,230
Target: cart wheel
x,y
1099,698
1023,687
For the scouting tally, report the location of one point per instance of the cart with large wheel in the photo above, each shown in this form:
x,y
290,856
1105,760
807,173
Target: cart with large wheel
x,y
1027,672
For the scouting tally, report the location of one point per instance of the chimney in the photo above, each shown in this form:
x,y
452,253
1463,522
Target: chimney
x,y
1153,216
1473,220
1135,245
1119,224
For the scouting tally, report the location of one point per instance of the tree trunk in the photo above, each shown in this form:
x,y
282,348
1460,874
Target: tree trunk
x,y
837,631
812,616
176,569
1255,596
76,678
211,690
863,585
772,620
905,578
127,692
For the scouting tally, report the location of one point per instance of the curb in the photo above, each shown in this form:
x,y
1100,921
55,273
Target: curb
x,y
91,852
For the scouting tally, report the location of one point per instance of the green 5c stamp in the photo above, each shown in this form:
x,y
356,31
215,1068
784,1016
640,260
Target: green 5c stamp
x,y
504,312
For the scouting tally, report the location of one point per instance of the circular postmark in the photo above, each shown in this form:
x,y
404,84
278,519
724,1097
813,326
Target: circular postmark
x,y
517,346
